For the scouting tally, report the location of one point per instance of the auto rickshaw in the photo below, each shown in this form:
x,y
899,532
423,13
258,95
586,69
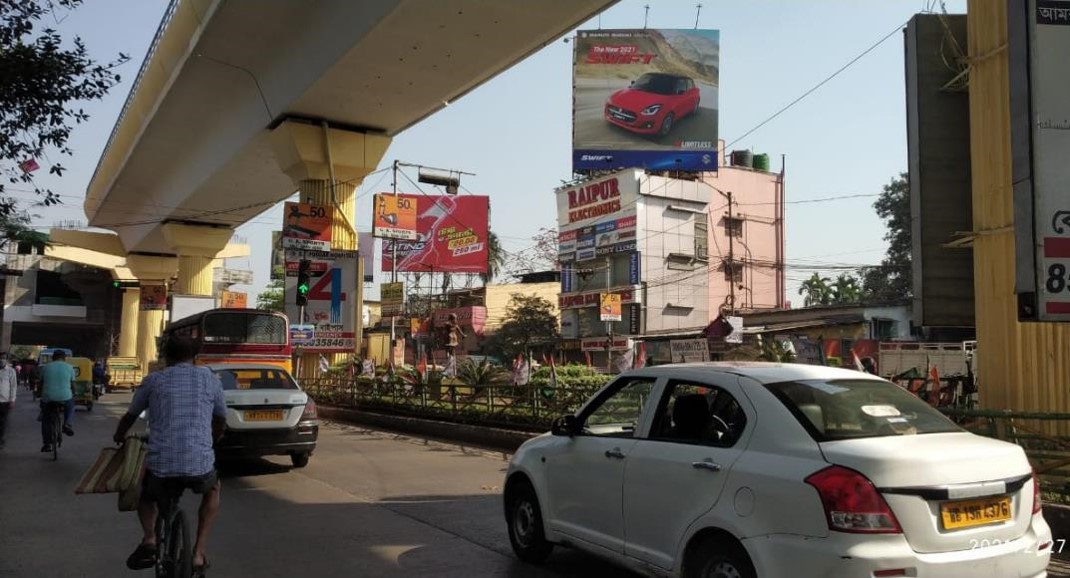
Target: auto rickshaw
x,y
83,381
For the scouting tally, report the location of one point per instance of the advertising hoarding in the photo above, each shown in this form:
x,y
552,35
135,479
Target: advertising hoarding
x,y
474,316
278,256
689,350
597,218
392,298
645,98
302,335
153,297
394,216
330,300
451,236
307,226
1039,39
233,300
367,254
610,307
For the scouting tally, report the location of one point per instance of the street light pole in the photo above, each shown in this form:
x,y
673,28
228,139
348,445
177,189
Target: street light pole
x,y
731,266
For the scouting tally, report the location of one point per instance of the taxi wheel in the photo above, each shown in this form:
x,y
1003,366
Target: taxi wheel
x,y
300,460
717,557
524,518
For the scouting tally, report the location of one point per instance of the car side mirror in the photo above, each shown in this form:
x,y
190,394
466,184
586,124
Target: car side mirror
x,y
565,426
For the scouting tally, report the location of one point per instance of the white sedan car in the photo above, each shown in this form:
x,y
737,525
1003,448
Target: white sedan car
x,y
777,471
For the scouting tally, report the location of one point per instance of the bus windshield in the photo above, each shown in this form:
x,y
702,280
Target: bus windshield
x,y
244,327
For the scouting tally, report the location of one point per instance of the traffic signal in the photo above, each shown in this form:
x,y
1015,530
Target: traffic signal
x,y
304,281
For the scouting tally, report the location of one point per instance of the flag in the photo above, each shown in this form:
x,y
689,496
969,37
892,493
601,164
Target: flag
x,y
858,362
521,371
624,361
587,354
324,364
29,166
640,358
421,367
934,391
553,373
368,367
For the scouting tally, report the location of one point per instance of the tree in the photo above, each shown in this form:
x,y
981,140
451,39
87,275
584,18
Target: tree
x,y
272,297
846,290
530,323
540,256
41,84
892,280
495,257
816,291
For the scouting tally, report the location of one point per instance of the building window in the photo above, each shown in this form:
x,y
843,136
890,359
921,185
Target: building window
x,y
680,262
733,227
702,237
884,329
732,271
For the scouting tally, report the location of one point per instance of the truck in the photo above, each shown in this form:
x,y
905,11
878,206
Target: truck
x,y
123,372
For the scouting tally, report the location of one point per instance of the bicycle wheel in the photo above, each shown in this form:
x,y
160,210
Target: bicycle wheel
x,y
57,434
180,548
163,565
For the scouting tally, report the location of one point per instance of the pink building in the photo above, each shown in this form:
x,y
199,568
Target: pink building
x,y
751,237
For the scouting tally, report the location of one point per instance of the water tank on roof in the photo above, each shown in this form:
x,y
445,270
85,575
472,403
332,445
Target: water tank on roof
x,y
742,159
761,162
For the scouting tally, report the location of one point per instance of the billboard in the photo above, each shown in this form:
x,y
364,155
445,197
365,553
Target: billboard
x,y
367,255
645,98
330,300
392,299
154,297
394,216
597,218
610,308
306,226
1039,39
233,300
451,236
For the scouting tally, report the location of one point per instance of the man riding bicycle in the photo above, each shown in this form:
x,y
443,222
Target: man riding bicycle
x,y
57,386
187,414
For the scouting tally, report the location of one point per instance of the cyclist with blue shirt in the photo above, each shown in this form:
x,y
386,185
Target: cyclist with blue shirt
x,y
57,386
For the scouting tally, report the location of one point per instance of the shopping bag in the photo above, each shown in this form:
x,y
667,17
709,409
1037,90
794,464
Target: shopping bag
x,y
102,476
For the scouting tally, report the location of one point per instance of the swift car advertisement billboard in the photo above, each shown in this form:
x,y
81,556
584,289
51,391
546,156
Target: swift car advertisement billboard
x,y
646,99
451,236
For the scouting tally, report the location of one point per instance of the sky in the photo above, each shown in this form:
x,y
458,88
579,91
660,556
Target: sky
x,y
847,138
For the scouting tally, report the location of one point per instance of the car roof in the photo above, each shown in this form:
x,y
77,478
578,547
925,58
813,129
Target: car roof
x,y
224,366
762,372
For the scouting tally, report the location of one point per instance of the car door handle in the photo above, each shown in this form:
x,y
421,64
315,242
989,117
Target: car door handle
x,y
706,465
615,453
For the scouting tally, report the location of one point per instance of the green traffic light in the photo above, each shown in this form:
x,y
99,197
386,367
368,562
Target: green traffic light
x,y
302,289
115,284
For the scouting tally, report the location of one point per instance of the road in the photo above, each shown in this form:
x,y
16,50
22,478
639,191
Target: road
x,y
594,132
369,504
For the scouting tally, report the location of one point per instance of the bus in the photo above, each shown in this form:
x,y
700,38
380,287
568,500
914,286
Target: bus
x,y
236,336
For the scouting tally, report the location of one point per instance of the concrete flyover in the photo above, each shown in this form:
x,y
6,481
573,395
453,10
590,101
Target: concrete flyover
x,y
241,102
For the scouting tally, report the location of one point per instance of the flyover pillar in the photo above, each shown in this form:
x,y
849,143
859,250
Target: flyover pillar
x,y
327,165
128,322
196,246
150,270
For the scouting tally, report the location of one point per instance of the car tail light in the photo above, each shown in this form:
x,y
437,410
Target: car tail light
x,y
1036,494
310,411
852,503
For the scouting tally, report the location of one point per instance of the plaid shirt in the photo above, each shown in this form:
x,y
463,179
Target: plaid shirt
x,y
181,401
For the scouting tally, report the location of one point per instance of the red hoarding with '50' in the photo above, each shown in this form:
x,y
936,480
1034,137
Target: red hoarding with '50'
x,y
451,236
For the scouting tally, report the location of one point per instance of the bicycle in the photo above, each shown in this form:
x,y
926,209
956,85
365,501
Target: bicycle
x,y
174,550
52,426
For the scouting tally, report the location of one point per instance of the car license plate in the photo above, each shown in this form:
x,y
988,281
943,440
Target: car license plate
x,y
970,513
263,415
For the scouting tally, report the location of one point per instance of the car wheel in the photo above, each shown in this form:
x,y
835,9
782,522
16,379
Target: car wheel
x,y
667,124
719,558
524,518
300,460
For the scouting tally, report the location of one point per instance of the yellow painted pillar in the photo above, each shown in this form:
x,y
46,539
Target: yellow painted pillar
x,y
194,275
129,323
150,270
315,156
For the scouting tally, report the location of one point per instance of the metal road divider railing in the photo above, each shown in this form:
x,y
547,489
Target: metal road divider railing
x,y
1043,436
527,407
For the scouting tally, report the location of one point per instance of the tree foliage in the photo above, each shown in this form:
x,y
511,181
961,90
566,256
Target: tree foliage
x,y
892,280
495,257
846,290
816,291
272,297
530,324
42,83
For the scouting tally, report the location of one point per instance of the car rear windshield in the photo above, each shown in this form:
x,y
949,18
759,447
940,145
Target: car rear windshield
x,y
242,379
656,83
858,408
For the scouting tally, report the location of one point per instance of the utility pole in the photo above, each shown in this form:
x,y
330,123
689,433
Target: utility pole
x,y
394,267
698,10
731,258
646,15
609,324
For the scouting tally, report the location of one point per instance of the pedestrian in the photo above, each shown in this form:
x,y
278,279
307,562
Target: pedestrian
x,y
99,380
9,385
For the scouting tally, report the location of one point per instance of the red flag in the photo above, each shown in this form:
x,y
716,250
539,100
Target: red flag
x,y
422,366
934,391
587,354
640,358
29,166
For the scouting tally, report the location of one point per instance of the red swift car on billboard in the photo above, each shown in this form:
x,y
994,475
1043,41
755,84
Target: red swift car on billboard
x,y
653,103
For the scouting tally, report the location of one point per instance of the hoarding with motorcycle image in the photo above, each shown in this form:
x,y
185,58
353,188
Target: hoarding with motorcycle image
x,y
646,99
